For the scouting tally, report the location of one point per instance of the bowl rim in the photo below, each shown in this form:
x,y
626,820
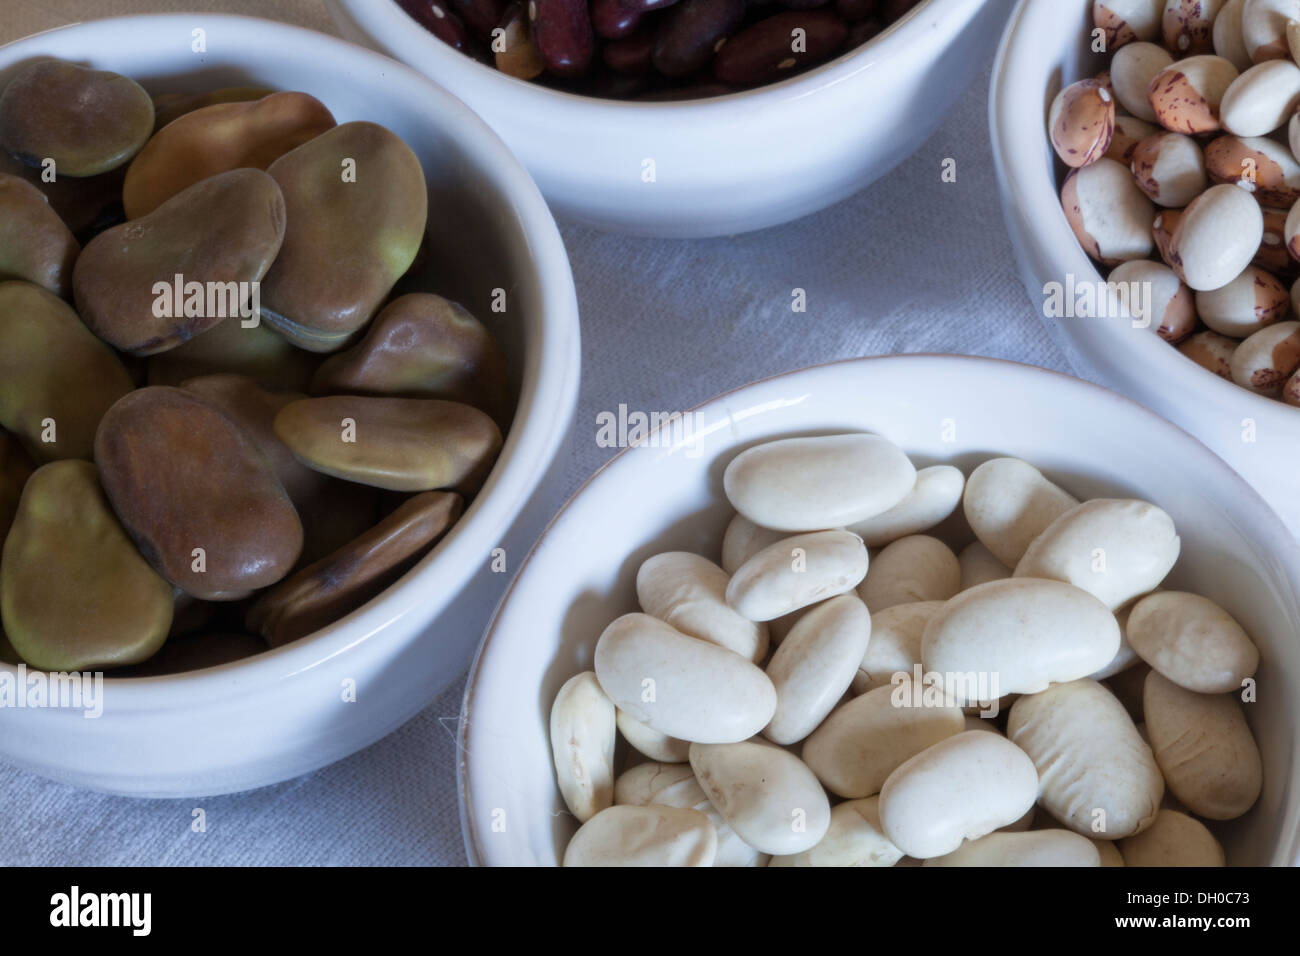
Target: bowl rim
x,y
388,25
1024,188
537,431
1279,541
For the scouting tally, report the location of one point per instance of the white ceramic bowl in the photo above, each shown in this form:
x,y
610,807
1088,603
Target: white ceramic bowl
x,y
1045,47
649,500
724,165
281,713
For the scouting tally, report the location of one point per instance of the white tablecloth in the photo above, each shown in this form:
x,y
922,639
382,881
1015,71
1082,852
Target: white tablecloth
x,y
912,264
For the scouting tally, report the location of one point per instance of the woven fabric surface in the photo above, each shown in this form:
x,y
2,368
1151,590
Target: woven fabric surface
x,y
911,264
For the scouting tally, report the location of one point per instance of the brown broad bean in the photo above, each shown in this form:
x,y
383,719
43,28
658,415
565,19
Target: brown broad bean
x,y
343,581
200,501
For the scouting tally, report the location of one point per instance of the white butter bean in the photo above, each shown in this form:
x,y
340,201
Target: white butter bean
x,y
1109,853
1125,657
1262,99
765,794
1096,775
912,569
1039,848
895,645
1228,40
935,496
1110,215
807,484
1250,302
681,686
1024,634
1127,20
1008,503
1175,839
582,744
983,723
1217,237
979,566
744,539
863,741
643,836
1263,27
688,794
1264,362
1082,122
1193,642
1186,95
1132,70
1127,686
854,838
815,665
779,628
1113,548
1212,352
690,593
1204,748
797,572
1169,308
635,787
961,788
646,740
1170,169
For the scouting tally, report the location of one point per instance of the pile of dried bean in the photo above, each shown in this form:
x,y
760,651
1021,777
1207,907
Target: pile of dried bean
x,y
654,49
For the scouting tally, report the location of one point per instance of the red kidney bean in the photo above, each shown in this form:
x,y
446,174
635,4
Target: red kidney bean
x,y
647,51
855,10
562,31
618,86
520,56
615,19
438,20
860,33
770,48
631,55
691,33
481,16
695,91
891,10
